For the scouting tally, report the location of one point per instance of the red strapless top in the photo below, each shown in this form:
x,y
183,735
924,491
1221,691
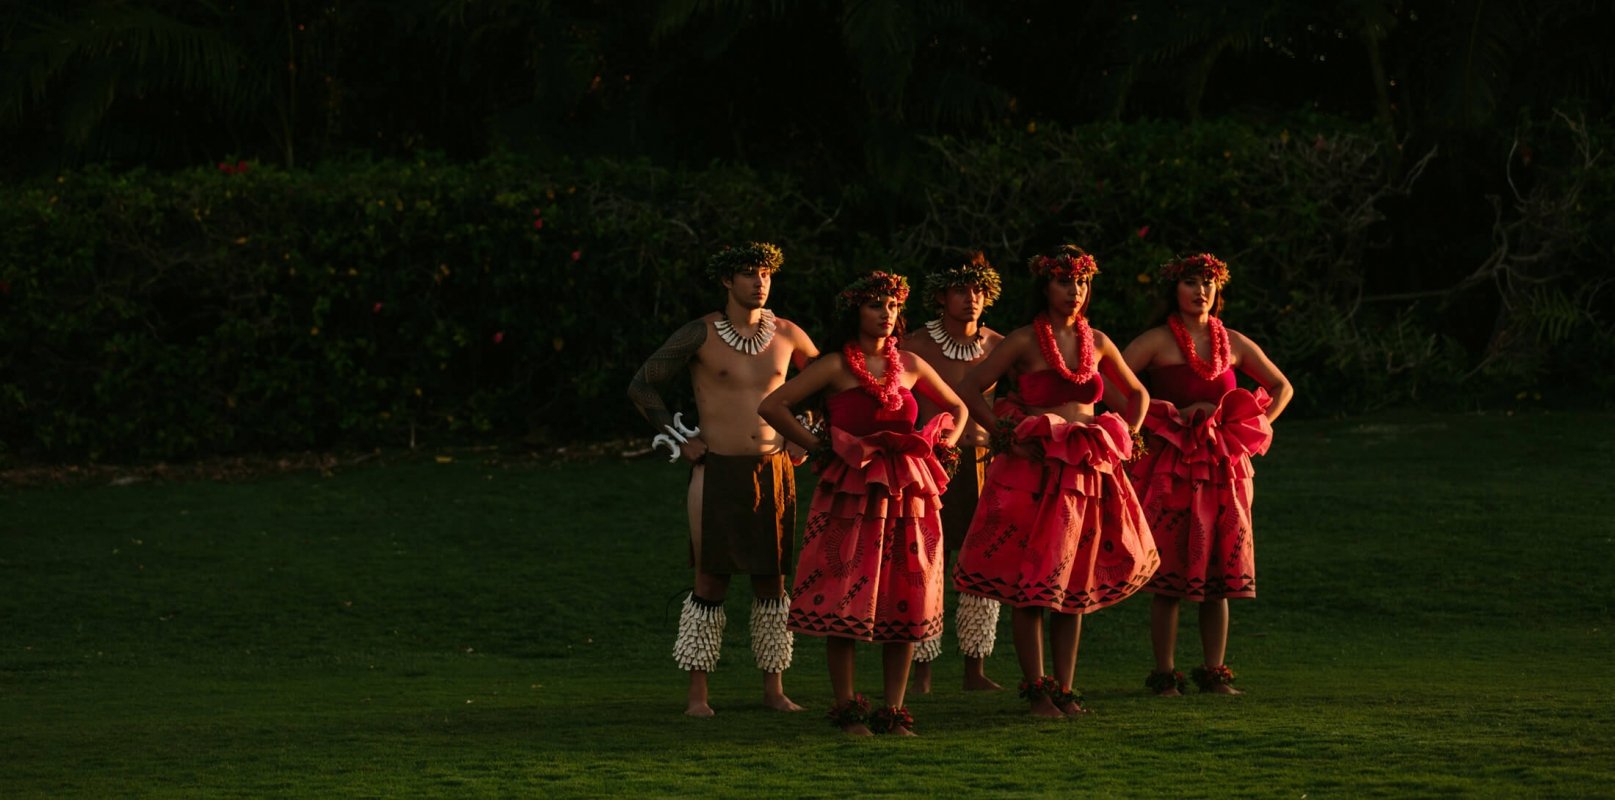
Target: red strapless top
x,y
858,412
1178,385
1046,389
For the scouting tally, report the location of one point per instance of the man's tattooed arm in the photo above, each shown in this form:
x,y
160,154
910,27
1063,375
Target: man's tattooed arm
x,y
666,363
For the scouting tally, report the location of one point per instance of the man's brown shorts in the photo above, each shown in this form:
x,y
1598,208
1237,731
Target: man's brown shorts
x,y
748,515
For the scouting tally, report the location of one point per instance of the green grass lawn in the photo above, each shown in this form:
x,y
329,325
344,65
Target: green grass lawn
x,y
1434,620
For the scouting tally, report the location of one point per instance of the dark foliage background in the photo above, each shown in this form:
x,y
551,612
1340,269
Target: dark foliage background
x,y
234,226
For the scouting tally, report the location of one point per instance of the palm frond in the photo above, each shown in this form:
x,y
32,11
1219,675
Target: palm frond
x,y
1491,35
880,38
94,59
957,96
674,16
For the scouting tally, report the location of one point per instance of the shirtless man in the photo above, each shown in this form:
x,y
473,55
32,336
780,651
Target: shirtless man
x,y
742,495
953,343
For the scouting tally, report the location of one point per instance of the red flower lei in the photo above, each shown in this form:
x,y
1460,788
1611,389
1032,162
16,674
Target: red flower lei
x,y
1221,353
1051,349
888,391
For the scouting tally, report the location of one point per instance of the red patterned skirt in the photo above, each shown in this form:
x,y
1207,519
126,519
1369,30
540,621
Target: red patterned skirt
x,y
1064,533
1196,487
871,560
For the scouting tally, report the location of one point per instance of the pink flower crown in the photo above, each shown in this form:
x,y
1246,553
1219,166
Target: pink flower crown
x,y
874,285
1082,267
1205,264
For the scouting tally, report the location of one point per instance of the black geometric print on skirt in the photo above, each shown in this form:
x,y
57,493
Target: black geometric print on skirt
x,y
815,526
832,624
807,582
1220,586
1042,593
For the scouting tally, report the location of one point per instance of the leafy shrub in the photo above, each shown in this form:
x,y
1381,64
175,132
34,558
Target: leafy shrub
x,y
155,315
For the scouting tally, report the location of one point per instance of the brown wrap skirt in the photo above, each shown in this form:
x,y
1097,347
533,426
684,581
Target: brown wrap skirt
x,y
748,515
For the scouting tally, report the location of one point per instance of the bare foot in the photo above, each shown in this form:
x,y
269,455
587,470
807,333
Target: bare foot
x,y
901,731
695,698
1223,688
1073,709
981,683
857,729
1044,707
976,679
921,675
779,702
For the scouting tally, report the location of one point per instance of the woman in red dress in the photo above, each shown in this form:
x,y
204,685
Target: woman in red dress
x,y
1196,479
871,563
1058,526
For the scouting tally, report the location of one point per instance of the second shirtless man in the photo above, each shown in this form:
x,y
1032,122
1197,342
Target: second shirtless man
x,y
953,343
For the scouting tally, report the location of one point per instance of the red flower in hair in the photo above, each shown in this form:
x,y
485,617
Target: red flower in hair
x,y
1205,264
874,285
1081,267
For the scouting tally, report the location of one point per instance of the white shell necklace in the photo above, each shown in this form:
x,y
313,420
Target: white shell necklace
x,y
953,348
748,345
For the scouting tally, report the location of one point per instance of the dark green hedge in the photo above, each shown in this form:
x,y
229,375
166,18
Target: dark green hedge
x,y
158,315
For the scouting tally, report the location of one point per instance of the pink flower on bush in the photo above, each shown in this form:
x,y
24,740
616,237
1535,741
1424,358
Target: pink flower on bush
x,y
238,168
577,255
498,337
376,309
538,219
1144,231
